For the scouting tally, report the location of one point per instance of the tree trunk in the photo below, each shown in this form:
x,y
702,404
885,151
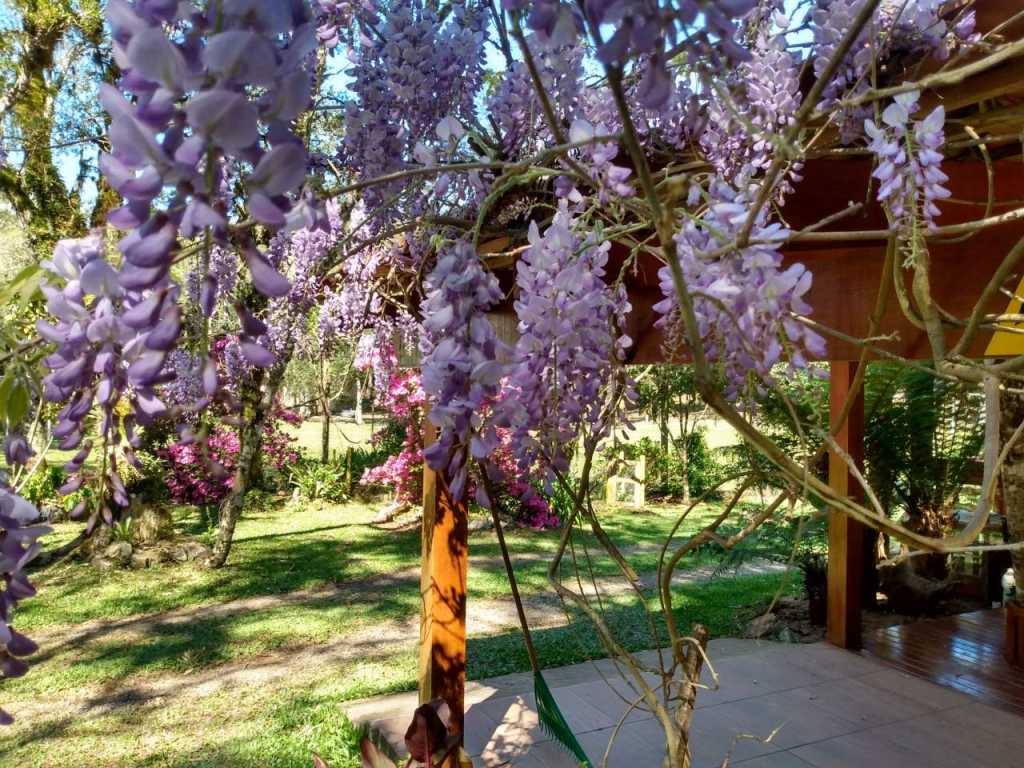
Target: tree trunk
x,y
684,455
325,413
325,430
1012,414
256,410
359,400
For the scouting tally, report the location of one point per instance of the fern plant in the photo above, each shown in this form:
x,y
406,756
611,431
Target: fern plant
x,y
923,435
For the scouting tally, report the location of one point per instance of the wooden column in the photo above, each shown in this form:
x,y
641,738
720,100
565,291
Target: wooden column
x,y
442,665
846,537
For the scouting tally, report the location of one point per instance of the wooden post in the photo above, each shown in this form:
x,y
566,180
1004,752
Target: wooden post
x,y
846,536
442,665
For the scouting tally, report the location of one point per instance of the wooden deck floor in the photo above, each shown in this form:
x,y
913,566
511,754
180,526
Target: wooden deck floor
x,y
963,652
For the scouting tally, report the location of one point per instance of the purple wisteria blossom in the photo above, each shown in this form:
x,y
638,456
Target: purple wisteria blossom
x,y
212,89
898,27
761,103
644,30
333,16
111,343
461,371
571,344
909,162
303,255
19,543
744,300
411,71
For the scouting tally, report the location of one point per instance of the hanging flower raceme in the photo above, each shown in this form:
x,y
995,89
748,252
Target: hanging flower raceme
x,y
570,346
643,29
333,16
461,372
214,91
744,301
906,27
909,162
411,72
304,256
762,103
19,543
111,345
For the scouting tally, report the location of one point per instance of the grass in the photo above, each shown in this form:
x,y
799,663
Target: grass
x,y
297,552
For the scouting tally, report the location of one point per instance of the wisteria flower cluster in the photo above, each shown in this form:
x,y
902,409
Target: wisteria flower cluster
x,y
19,544
461,371
909,162
303,255
111,344
643,30
571,340
745,302
515,105
899,27
333,17
761,103
411,71
216,88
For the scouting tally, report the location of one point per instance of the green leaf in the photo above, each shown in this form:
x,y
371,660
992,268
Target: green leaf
x,y
18,401
30,275
5,393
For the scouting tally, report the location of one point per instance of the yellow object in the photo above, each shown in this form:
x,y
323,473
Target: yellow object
x,y
1009,343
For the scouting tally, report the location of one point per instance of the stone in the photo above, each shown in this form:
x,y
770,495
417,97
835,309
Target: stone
x,y
119,553
152,524
147,558
480,524
190,550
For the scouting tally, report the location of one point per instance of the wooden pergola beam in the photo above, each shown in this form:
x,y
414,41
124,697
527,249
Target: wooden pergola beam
x,y
445,558
846,536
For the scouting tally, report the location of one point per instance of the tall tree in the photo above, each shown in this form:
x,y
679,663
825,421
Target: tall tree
x,y
51,60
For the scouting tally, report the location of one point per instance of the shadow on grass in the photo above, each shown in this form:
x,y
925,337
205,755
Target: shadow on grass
x,y
261,565
199,639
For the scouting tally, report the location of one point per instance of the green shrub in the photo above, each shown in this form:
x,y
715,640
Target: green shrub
x,y
316,481
666,470
43,485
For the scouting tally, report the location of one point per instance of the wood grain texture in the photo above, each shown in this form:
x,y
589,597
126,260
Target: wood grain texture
x,y
963,652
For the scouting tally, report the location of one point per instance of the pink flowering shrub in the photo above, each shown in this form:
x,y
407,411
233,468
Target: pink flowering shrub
x,y
406,402
517,495
204,481
201,481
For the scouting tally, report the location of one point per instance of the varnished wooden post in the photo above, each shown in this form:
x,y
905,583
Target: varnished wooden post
x,y
442,665
846,561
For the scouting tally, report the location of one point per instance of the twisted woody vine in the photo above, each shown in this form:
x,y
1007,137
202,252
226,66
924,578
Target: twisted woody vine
x,y
571,133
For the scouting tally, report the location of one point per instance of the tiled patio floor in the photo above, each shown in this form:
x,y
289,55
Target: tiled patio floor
x,y
828,708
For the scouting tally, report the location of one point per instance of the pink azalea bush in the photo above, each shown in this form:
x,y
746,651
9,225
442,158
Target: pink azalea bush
x,y
406,402
206,480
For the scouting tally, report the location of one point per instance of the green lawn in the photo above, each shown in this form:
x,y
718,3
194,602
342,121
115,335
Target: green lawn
x,y
292,563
